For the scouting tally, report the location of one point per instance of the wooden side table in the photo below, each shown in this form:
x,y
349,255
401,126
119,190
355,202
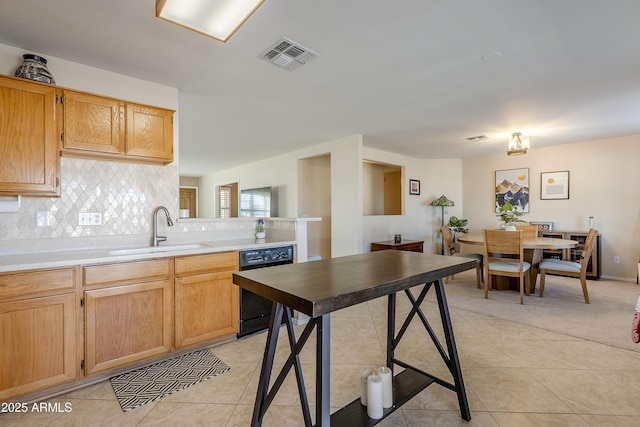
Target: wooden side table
x,y
405,245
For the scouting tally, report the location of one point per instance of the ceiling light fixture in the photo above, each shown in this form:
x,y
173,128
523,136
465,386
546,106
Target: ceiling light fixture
x,y
518,145
218,19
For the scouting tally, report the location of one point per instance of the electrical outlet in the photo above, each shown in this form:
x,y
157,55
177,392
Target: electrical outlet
x,y
42,219
616,260
89,218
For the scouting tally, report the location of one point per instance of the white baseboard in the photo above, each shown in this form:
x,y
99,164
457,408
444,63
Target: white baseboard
x,y
621,279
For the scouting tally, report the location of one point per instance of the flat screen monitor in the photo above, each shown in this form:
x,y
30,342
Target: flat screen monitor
x,y
258,202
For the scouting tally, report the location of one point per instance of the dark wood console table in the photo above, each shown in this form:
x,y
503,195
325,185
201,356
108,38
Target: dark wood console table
x,y
321,287
404,245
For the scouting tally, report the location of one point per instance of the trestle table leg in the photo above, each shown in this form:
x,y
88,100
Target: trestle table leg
x,y
323,377
267,364
454,365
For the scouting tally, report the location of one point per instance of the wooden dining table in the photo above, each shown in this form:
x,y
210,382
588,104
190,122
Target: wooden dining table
x,y
533,248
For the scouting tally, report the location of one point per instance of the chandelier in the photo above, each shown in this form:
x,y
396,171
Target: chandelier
x,y
518,145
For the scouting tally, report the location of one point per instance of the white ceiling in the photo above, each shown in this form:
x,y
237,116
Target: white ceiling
x,y
407,75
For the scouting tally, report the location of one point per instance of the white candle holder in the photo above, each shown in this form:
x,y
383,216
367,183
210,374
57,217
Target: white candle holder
x,y
374,397
387,386
363,385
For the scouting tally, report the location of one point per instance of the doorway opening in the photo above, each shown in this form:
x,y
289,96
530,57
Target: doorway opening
x,y
228,200
314,200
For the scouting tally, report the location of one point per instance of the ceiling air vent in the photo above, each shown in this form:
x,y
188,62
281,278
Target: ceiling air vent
x,y
477,138
287,54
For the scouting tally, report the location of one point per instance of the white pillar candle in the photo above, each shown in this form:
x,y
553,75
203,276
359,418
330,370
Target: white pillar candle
x,y
387,386
374,397
363,385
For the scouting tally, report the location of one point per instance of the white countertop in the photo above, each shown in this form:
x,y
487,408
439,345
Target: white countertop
x,y
93,256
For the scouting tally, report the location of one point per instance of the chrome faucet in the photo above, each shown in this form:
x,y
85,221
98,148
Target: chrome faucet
x,y
157,239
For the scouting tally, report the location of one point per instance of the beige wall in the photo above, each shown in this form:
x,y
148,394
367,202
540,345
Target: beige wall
x,y
420,220
604,183
282,172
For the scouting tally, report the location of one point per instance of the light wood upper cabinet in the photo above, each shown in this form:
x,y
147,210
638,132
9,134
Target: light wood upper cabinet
x,y
29,132
102,127
149,132
93,123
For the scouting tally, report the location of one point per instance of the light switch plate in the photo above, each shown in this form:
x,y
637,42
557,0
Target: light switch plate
x,y
90,218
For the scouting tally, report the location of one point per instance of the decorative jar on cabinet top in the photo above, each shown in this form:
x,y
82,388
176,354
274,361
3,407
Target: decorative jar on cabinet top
x,y
34,68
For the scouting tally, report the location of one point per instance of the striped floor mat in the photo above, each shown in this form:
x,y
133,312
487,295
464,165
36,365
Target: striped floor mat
x,y
144,385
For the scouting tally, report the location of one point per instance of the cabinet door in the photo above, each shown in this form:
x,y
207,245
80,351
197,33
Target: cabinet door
x,y
29,132
149,132
37,344
206,307
93,123
127,323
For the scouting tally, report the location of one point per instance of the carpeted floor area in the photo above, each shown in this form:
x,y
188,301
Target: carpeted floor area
x,y
151,383
606,320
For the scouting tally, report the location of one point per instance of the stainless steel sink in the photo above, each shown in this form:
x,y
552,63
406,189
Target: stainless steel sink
x,y
155,249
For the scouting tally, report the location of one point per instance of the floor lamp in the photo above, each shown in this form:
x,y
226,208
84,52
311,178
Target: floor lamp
x,y
443,202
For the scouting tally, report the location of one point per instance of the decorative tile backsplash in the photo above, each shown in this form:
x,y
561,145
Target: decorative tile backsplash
x,y
125,194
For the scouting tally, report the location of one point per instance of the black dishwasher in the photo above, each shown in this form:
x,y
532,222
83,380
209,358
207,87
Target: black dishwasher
x,y
255,310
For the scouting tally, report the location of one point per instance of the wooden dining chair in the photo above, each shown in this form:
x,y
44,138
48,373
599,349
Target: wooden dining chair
x,y
571,268
504,256
450,249
528,231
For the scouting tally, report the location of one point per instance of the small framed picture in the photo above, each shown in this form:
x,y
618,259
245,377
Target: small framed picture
x,y
414,187
554,185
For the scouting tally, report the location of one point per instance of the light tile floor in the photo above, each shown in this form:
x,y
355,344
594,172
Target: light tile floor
x,y
515,375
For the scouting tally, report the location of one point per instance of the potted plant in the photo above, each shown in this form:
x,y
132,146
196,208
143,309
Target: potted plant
x,y
509,216
260,234
457,225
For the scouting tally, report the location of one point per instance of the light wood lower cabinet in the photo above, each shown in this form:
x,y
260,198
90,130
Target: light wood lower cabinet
x,y
207,304
37,334
132,311
38,341
127,323
129,315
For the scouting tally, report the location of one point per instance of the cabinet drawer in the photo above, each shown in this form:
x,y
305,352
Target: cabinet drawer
x,y
24,283
210,263
120,273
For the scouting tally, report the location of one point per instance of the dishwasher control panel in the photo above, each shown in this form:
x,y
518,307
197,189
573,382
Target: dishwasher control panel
x,y
264,257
